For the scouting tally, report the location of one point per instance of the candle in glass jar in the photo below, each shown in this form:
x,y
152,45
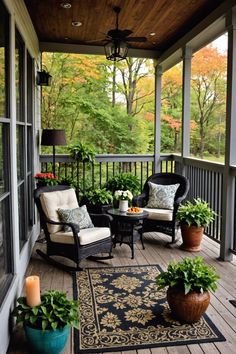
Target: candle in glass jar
x,y
32,289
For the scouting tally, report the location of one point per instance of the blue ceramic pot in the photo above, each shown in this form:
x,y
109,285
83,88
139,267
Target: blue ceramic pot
x,y
47,342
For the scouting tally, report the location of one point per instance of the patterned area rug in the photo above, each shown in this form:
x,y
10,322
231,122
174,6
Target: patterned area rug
x,y
233,302
120,309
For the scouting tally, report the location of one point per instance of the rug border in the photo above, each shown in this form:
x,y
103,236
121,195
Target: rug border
x,y
220,336
233,302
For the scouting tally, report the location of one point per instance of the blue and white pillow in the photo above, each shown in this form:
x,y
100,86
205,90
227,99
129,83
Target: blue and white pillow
x,y
77,216
161,196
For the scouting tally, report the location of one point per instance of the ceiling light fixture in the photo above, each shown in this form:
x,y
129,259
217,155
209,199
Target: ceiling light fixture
x,y
65,5
76,23
152,34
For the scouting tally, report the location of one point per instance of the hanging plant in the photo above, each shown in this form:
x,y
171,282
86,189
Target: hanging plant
x,y
82,152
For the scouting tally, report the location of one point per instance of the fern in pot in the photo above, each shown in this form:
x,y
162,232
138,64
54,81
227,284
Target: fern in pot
x,y
193,218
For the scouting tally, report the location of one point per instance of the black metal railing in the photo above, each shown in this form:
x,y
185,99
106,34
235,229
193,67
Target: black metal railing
x,y
105,166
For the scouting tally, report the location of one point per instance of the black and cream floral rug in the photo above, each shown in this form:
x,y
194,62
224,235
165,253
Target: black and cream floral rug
x,y
120,309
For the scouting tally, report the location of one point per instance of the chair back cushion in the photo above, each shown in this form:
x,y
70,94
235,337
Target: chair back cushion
x,y
52,201
162,196
77,216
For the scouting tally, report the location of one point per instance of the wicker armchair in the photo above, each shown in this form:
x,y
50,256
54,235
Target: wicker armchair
x,y
77,244
159,219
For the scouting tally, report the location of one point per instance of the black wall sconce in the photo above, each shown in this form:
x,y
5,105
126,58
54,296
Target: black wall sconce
x,y
43,78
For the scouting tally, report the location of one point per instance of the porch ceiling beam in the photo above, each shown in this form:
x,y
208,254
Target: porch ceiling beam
x,y
207,30
93,49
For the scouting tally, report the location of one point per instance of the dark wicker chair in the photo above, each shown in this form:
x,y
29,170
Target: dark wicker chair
x,y
166,226
74,250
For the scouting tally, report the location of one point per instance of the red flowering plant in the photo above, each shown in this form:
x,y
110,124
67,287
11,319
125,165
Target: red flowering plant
x,y
46,179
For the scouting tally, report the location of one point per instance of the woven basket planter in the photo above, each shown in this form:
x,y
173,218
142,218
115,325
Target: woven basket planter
x,y
187,308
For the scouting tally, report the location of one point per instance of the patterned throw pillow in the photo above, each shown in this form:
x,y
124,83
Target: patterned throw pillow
x,y
161,196
77,216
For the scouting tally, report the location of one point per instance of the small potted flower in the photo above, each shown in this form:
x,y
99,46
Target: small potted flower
x,y
46,179
124,198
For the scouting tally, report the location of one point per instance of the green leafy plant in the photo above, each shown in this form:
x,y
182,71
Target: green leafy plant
x,y
198,213
82,152
191,274
68,181
124,181
99,196
55,311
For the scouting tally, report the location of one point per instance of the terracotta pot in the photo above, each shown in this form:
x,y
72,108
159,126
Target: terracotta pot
x,y
192,237
187,308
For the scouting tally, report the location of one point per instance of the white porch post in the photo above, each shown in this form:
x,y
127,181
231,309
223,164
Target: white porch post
x,y
227,229
157,128
186,108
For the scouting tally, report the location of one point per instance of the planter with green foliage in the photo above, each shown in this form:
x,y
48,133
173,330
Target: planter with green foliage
x,y
193,218
47,325
82,152
123,181
188,282
97,200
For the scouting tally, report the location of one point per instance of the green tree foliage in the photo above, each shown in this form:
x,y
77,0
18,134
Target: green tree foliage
x,y
79,100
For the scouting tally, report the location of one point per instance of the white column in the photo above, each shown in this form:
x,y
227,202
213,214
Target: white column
x,y
227,227
157,128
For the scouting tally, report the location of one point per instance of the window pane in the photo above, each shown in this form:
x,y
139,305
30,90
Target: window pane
x,y
19,60
20,151
4,154
3,60
5,240
29,88
21,209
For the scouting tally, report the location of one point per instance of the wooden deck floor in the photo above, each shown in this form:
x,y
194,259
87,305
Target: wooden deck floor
x,y
222,313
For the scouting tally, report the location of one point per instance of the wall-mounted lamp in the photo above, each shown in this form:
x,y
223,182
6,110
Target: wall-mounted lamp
x,y
43,78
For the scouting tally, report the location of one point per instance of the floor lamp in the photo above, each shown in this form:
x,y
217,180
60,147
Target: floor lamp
x,y
53,137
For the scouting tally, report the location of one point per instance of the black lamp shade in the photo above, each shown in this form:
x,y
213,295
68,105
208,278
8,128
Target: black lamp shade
x,y
116,50
43,78
52,137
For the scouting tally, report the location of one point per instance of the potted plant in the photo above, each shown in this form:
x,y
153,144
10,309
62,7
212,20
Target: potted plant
x,y
124,197
46,179
124,181
47,325
97,200
189,282
82,152
193,218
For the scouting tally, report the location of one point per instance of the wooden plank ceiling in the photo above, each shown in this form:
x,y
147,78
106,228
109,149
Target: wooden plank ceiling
x,y
168,19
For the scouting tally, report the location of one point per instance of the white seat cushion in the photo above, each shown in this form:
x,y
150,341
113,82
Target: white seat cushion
x,y
159,214
86,236
52,201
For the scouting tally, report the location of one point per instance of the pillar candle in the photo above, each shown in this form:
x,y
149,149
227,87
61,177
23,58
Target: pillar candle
x,y
32,289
